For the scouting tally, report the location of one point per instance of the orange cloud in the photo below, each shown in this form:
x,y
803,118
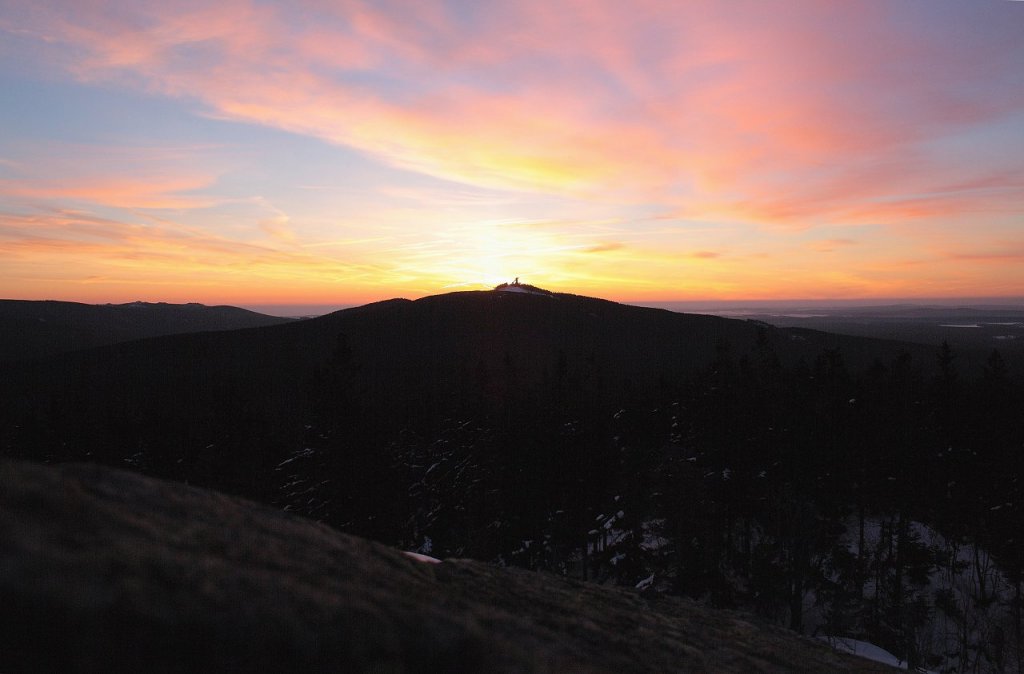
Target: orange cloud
x,y
1010,252
830,245
89,249
758,123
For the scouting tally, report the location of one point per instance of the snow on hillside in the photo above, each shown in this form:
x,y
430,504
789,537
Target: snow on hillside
x,y
968,599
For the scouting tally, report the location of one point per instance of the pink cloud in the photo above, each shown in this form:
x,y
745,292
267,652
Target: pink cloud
x,y
116,176
124,192
782,113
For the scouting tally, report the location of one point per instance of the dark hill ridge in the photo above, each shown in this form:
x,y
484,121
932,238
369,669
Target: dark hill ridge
x,y
458,343
447,332
107,571
30,329
380,368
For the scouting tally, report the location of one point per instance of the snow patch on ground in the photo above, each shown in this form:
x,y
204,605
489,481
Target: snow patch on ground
x,y
869,651
865,650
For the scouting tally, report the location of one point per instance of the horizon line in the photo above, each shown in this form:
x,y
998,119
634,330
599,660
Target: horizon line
x,y
864,301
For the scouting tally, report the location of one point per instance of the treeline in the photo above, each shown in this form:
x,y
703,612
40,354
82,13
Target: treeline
x,y
882,504
879,502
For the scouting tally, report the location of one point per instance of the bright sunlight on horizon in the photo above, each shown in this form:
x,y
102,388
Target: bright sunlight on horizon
x,y
258,152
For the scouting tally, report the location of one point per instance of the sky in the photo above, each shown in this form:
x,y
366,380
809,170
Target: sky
x,y
344,151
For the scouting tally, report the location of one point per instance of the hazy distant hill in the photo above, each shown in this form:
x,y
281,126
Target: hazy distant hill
x,y
33,329
982,328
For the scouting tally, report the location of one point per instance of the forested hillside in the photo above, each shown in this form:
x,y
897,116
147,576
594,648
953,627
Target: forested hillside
x,y
833,485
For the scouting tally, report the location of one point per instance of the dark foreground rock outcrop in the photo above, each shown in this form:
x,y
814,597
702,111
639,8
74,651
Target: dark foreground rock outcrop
x,y
103,570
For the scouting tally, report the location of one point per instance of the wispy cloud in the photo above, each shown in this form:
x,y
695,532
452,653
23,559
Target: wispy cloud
x,y
1010,252
729,103
530,137
604,247
96,248
831,245
151,177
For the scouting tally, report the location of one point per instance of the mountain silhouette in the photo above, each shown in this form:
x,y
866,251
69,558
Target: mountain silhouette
x,y
411,360
391,365
224,408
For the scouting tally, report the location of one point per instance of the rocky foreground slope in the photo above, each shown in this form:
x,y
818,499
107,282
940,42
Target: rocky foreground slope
x,y
103,570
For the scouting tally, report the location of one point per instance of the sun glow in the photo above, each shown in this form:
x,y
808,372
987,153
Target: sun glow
x,y
485,254
245,151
